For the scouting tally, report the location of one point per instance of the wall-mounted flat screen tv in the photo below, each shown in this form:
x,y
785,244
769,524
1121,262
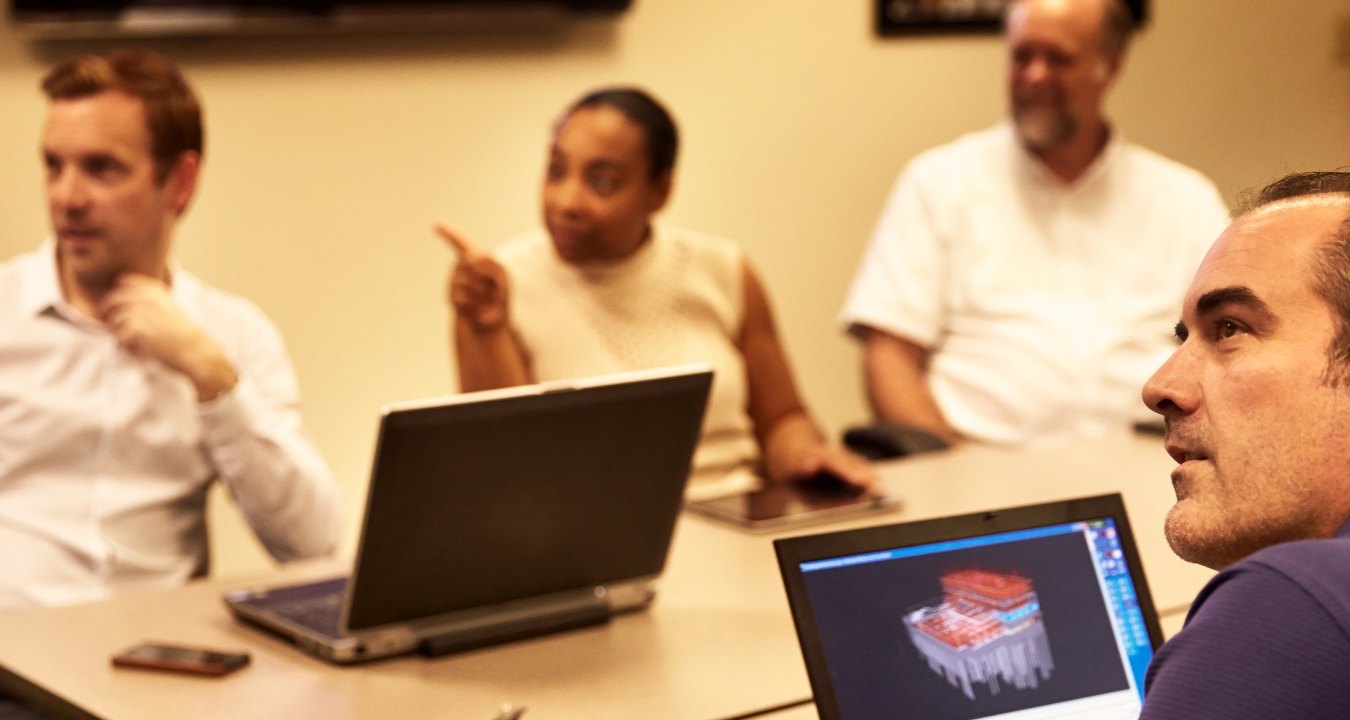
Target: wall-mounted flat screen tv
x,y
95,18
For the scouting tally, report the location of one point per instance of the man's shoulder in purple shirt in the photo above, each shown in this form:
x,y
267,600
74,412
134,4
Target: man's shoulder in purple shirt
x,y
1268,637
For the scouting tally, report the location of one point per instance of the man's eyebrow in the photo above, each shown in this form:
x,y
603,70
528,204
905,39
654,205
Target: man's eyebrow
x,y
1234,295
605,164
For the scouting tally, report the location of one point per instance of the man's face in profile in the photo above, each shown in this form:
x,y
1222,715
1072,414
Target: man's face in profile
x,y
1256,420
110,212
1056,72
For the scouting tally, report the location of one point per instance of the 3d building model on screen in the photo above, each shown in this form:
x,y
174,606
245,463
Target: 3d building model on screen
x,y
987,626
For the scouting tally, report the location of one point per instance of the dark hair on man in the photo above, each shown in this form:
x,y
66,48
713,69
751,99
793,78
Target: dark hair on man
x,y
658,127
1332,182
1117,28
172,113
1331,270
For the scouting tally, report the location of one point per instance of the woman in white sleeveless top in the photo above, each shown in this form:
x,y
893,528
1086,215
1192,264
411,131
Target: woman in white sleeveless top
x,y
604,288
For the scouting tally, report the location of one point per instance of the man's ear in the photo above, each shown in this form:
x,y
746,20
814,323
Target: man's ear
x,y
661,190
1108,66
181,181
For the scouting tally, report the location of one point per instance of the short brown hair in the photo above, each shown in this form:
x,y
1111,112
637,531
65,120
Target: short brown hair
x,y
1331,268
172,113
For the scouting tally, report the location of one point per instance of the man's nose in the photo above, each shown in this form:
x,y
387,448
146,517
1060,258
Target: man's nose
x,y
68,191
1172,390
1036,70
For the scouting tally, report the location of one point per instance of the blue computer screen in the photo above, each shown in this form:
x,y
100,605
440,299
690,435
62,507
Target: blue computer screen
x,y
985,626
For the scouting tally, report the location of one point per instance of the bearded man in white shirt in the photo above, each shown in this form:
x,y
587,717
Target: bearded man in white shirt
x,y
1017,283
127,385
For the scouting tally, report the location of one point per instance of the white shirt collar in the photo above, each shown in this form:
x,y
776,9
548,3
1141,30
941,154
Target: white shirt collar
x,y
1032,168
40,285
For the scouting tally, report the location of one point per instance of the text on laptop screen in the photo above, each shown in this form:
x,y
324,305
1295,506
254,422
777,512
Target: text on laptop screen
x,y
1036,623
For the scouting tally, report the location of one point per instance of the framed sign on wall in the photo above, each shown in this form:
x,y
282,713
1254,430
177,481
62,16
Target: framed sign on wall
x,y
912,17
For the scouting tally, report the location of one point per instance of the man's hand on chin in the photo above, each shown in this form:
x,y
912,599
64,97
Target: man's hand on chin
x,y
142,314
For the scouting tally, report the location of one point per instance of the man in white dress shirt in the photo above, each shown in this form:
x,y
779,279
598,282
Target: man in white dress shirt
x,y
127,385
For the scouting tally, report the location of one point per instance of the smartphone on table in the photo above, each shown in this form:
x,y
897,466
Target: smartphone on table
x,y
172,657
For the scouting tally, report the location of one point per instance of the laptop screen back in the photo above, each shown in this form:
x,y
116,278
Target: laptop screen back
x,y
496,497
1034,612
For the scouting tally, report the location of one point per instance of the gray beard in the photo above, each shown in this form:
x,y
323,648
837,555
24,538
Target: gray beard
x,y
1041,131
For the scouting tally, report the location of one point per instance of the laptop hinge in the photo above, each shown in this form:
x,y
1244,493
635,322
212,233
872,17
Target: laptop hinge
x,y
596,612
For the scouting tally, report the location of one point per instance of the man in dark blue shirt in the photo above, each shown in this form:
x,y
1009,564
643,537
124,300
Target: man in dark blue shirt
x,y
1257,404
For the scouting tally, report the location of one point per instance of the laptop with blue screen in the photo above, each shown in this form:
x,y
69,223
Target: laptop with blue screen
x,y
1032,612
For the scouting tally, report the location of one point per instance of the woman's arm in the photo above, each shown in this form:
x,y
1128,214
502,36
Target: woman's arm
x,y
792,446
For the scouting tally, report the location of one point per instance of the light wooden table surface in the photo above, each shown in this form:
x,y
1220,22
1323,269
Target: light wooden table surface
x,y
717,643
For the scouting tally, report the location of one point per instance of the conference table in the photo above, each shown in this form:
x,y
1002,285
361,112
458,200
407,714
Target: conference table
x,y
717,643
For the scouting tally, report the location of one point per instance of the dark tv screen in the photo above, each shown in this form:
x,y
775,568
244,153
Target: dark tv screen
x,y
170,17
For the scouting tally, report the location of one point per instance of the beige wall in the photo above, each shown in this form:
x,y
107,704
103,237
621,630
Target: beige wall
x,y
328,159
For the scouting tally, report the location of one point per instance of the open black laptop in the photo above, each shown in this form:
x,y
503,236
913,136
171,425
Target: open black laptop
x,y
1031,612
498,515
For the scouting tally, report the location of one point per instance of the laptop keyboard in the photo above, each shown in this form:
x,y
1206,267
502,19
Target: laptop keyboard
x,y
321,613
